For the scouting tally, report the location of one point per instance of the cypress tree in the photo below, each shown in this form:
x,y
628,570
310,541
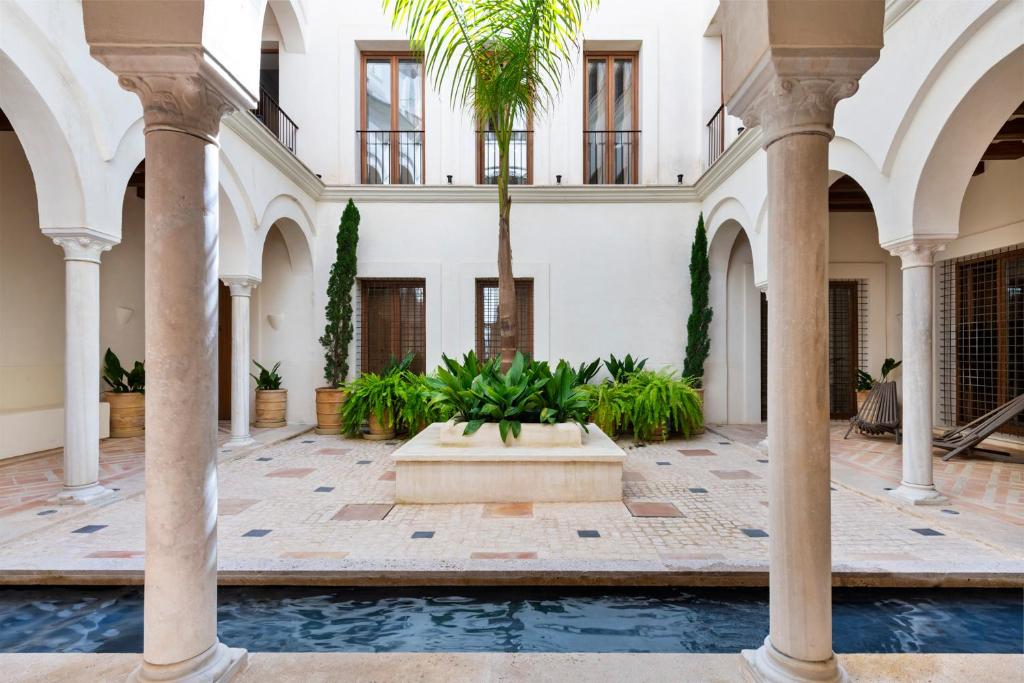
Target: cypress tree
x,y
338,333
698,344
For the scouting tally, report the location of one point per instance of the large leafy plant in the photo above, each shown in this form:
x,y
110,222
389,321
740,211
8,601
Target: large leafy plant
x,y
416,407
587,371
504,60
662,402
610,404
338,332
529,392
267,380
865,381
623,370
123,381
372,395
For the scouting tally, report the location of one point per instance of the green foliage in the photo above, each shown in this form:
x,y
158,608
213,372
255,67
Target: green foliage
x,y
338,333
372,394
268,379
120,380
610,404
622,370
529,392
586,371
660,399
864,381
416,407
698,343
888,366
396,365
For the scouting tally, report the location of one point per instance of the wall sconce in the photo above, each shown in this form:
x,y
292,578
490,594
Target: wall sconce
x,y
124,314
558,179
275,320
679,178
449,180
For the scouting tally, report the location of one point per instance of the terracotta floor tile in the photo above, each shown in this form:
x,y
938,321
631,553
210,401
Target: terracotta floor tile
x,y
292,472
232,506
651,509
508,510
387,476
334,451
503,556
696,451
356,512
632,476
115,554
734,474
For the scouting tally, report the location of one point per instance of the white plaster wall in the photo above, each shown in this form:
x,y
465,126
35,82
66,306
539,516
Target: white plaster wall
x,y
743,336
122,288
31,292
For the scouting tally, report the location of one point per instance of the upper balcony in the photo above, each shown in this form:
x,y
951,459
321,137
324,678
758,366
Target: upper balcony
x,y
269,112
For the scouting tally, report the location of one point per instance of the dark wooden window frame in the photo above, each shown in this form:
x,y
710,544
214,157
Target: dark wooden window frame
x,y
395,57
395,284
609,149
853,326
527,325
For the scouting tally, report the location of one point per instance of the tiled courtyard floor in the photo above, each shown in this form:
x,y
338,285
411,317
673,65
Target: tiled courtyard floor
x,y
323,507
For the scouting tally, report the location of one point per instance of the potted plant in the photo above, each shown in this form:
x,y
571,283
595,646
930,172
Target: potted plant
x,y
338,333
698,343
663,403
127,397
373,399
416,407
271,399
609,406
865,382
622,370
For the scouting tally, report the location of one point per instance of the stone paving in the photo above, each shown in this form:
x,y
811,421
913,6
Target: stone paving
x,y
324,504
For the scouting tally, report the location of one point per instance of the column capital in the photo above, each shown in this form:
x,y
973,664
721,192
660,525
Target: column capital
x,y
917,251
793,94
240,285
81,245
182,88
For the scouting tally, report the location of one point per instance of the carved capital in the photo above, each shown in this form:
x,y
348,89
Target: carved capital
x,y
790,105
186,103
917,252
240,285
82,246
182,88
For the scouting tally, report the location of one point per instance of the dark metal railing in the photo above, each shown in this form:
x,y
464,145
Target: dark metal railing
x,y
520,158
385,151
611,157
716,135
269,112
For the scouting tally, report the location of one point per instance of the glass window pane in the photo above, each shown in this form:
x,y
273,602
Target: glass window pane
x,y
596,94
623,94
378,94
410,95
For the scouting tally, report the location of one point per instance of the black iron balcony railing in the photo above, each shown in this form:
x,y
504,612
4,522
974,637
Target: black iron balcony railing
x,y
391,157
520,158
611,157
716,136
269,112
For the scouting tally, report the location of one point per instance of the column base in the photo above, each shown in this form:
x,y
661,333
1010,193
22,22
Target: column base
x,y
916,494
90,494
768,665
762,446
219,664
236,442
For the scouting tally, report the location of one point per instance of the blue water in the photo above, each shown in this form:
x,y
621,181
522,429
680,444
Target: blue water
x,y
516,619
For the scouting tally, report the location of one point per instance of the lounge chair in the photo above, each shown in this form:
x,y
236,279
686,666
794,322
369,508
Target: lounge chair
x,y
965,439
879,414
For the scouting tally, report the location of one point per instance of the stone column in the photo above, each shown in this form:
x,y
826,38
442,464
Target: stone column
x,y
82,249
241,290
917,256
795,113
183,98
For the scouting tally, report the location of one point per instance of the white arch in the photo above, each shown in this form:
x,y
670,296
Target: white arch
x,y
848,158
283,206
292,22
963,103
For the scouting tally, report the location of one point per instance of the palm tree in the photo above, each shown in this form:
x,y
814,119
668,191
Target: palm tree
x,y
504,60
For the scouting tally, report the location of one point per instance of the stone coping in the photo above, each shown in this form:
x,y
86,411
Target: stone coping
x,y
680,573
426,447
472,667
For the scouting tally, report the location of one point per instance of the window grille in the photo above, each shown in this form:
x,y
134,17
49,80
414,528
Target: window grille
x,y
981,335
392,323
488,337
764,356
843,354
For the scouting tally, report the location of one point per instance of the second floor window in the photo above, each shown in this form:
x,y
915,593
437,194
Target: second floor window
x,y
520,155
391,129
611,148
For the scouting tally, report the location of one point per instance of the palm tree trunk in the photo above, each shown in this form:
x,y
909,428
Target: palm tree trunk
x,y
507,323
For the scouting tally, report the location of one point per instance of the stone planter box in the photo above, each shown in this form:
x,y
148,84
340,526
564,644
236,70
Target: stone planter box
x,y
485,471
532,436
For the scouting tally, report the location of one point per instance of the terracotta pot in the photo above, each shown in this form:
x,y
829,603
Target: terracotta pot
x,y
377,430
659,433
700,429
328,409
127,413
271,407
861,397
